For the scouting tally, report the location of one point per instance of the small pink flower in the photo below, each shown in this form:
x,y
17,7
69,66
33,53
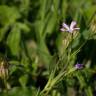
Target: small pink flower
x,y
70,28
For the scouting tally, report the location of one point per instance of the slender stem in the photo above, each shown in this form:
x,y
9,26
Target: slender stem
x,y
78,49
57,79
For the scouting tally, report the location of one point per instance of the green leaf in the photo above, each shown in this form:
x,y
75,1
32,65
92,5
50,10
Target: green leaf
x,y
50,23
90,12
44,52
18,91
23,80
81,79
88,91
24,27
8,15
3,32
13,40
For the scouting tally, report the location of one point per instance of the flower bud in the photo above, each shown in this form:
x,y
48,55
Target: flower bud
x,y
3,69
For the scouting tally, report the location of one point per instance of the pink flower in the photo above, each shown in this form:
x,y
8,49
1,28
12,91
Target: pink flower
x,y
70,28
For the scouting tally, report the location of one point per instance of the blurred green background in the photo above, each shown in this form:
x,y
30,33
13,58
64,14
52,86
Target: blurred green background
x,y
30,37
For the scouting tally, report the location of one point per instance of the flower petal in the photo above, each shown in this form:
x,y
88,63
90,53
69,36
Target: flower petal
x,y
65,26
79,66
62,29
73,24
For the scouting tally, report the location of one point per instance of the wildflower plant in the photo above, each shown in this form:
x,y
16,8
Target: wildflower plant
x,y
59,73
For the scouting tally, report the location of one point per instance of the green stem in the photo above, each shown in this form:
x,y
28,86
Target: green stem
x,y
57,79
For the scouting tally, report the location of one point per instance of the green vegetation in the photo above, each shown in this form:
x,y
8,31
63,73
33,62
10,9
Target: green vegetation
x,y
36,58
